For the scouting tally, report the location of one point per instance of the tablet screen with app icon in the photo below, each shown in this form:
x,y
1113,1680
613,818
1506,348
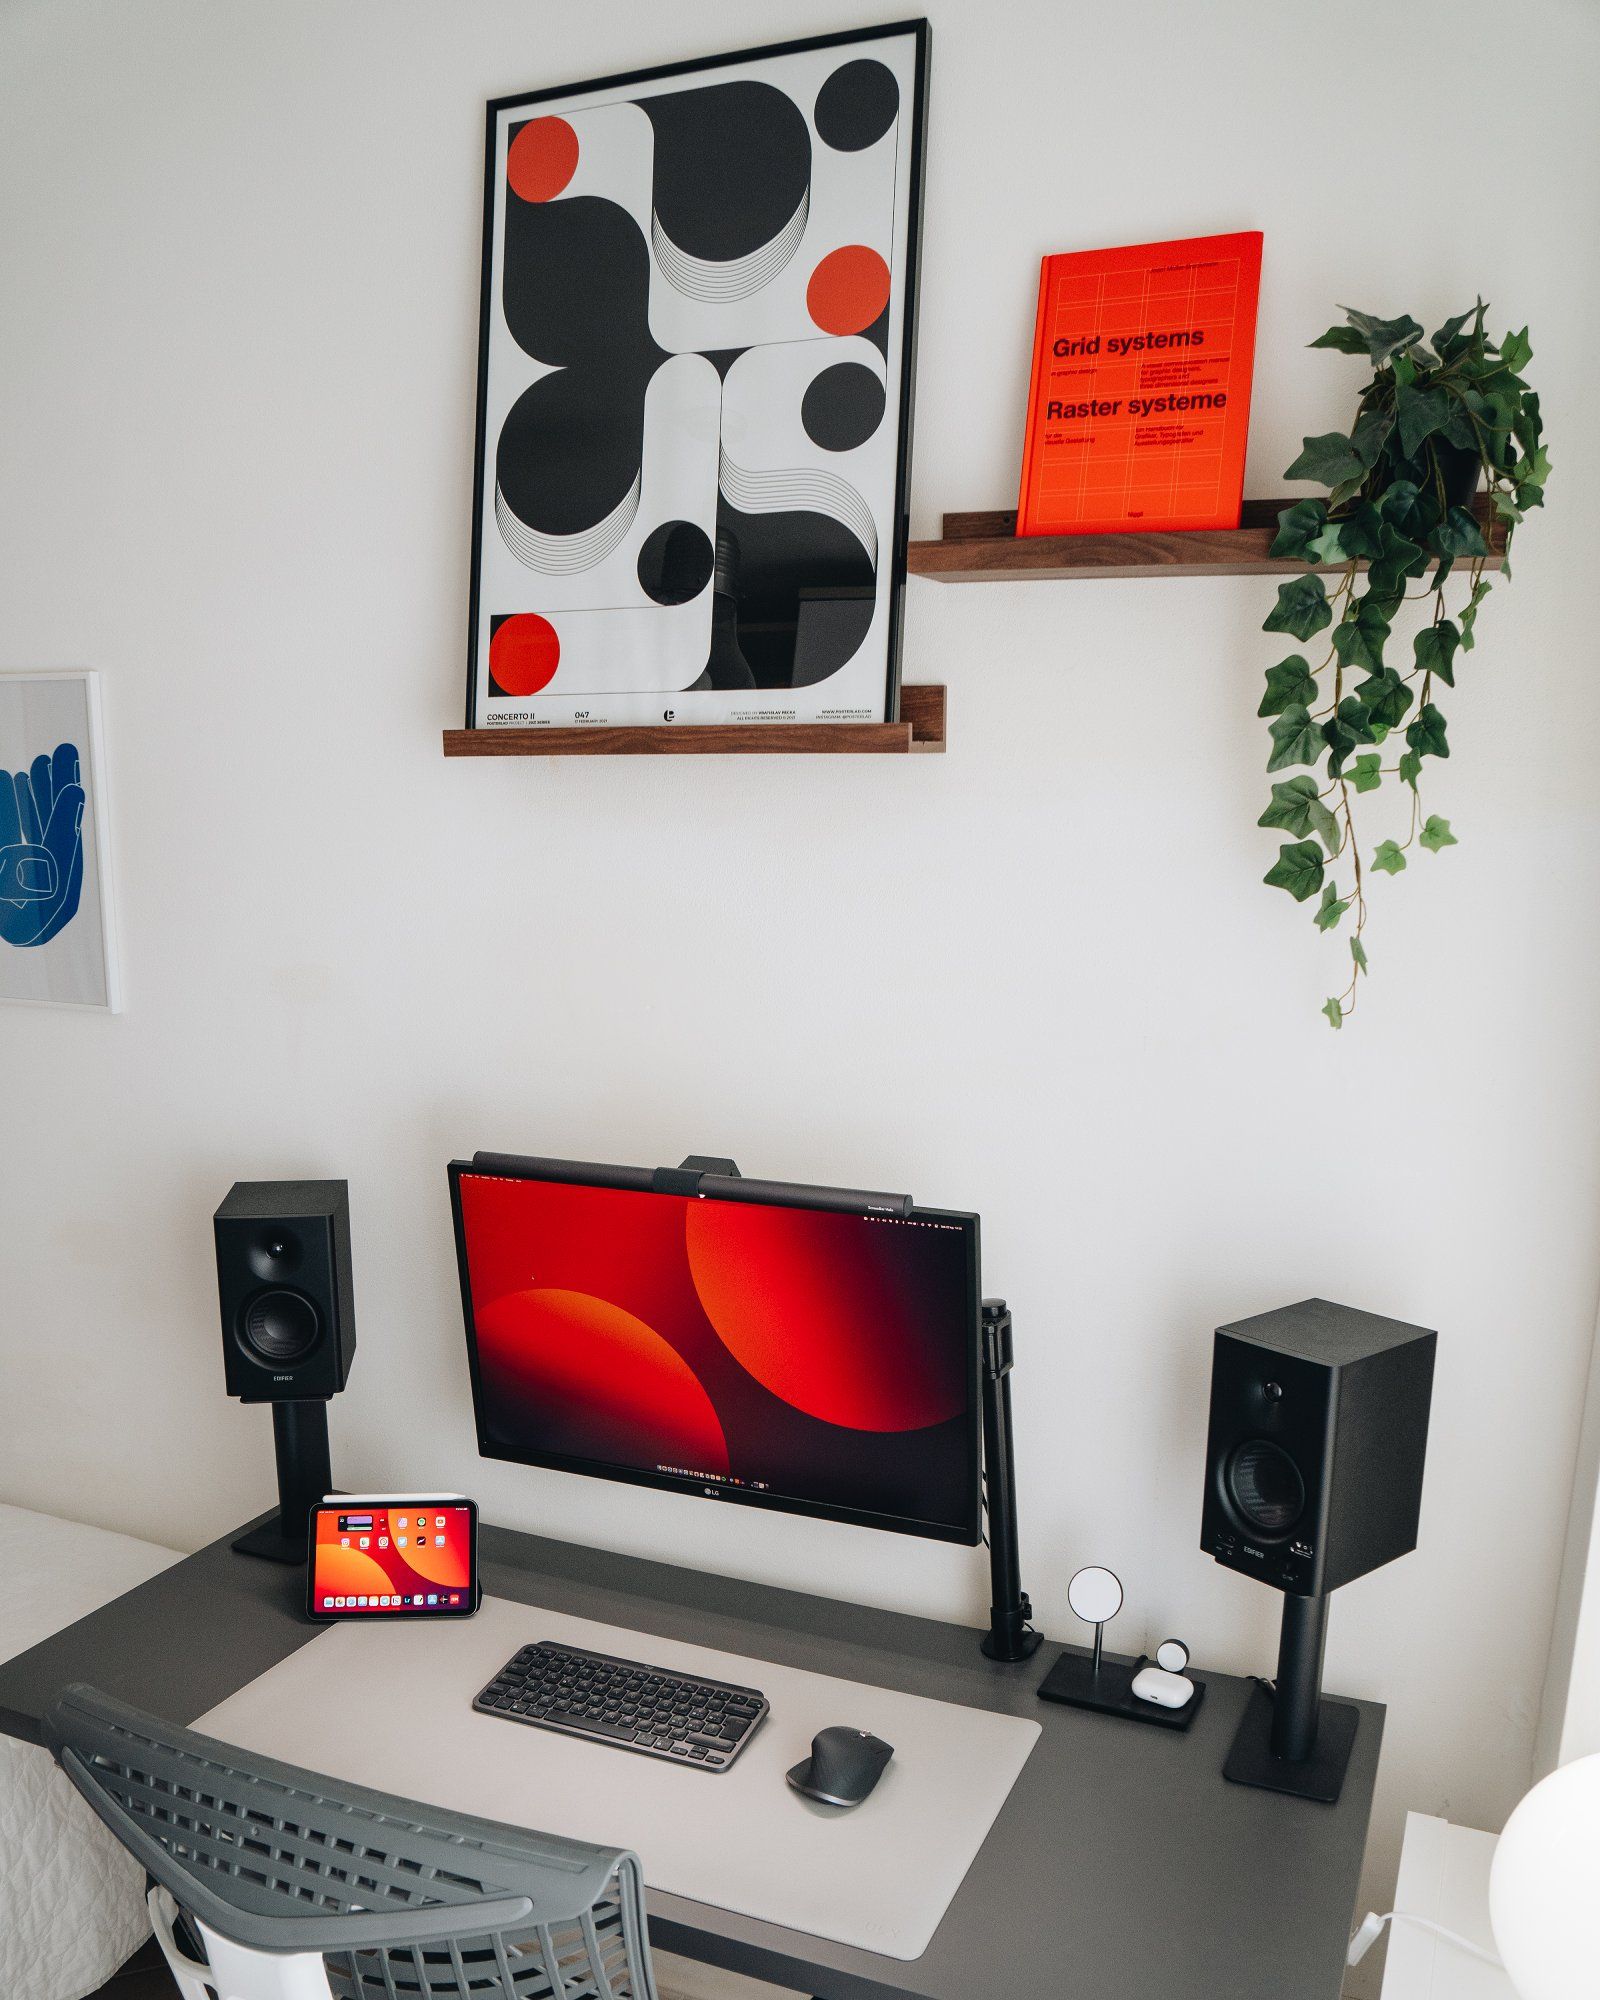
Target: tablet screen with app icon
x,y
390,1555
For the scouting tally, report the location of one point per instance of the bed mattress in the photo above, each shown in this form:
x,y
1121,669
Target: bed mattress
x,y
71,1901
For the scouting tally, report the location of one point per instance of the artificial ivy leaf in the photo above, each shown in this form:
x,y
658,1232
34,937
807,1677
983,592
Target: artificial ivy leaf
x,y
1343,339
1437,834
1361,532
1358,637
1290,684
1460,433
1469,616
1448,340
1426,735
1330,546
1516,352
1420,412
1496,411
1397,558
1332,908
1334,1012
1388,859
1329,459
1412,508
1386,697
1366,774
1505,505
1296,526
1343,731
1436,650
1458,535
1410,767
1358,952
1369,433
1296,739
1302,608
1535,467
1297,808
1297,869
1384,337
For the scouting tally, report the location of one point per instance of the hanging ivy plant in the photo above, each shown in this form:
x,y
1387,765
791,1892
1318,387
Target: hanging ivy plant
x,y
1436,419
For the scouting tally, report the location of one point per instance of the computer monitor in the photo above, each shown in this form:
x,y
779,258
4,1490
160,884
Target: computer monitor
x,y
789,1351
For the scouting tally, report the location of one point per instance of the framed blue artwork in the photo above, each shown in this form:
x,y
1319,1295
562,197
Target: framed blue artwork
x,y
57,946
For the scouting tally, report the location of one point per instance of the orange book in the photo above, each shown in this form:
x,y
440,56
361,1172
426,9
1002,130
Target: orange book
x,y
1139,405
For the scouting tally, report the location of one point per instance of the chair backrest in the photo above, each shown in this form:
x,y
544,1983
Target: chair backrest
x,y
401,1901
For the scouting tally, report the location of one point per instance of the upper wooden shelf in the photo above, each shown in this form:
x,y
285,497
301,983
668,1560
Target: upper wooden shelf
x,y
985,548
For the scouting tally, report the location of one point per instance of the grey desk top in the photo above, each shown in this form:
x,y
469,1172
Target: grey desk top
x,y
1121,1868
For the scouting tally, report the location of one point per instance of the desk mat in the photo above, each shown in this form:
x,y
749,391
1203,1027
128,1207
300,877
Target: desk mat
x,y
389,1705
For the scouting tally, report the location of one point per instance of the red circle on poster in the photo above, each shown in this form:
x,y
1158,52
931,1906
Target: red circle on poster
x,y
848,289
542,158
524,653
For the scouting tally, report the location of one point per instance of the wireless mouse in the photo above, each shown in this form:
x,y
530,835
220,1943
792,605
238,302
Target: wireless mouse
x,y
843,1767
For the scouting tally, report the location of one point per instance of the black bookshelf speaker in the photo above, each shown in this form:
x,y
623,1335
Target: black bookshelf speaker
x,y
1314,1461
284,1285
1319,1429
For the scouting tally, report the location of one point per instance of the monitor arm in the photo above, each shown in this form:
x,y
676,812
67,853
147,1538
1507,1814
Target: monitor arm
x,y
1009,1636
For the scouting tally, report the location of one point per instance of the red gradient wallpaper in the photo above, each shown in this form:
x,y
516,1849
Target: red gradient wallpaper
x,y
414,1556
790,1355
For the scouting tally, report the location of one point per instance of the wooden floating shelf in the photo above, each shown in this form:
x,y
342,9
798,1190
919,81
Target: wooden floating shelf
x,y
920,728
985,548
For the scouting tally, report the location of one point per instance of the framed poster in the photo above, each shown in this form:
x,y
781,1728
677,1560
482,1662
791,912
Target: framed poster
x,y
56,941
694,390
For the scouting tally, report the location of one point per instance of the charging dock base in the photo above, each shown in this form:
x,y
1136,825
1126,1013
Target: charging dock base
x,y
1073,1680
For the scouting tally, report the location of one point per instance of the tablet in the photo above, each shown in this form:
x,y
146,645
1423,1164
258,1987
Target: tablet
x,y
393,1555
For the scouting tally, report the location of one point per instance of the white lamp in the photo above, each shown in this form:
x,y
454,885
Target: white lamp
x,y
1544,1887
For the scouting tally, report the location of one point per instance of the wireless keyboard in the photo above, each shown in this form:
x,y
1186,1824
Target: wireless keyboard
x,y
625,1703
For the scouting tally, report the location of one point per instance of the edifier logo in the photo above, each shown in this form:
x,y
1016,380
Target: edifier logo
x,y
668,714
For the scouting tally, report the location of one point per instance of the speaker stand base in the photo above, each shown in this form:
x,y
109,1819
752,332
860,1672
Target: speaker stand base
x,y
1320,1777
272,1544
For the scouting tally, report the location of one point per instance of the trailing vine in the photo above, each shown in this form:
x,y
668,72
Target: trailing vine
x,y
1435,420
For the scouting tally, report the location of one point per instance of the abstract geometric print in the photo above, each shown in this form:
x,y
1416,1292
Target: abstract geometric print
x,y
694,395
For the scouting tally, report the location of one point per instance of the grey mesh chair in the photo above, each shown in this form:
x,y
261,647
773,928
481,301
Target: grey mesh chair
x,y
272,1883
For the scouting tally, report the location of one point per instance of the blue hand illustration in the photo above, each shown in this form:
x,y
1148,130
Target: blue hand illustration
x,y
41,847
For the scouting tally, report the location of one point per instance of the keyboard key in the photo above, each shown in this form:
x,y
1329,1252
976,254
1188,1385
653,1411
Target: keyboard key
x,y
591,1726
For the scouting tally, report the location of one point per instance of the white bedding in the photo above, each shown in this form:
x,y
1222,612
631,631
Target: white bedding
x,y
71,1902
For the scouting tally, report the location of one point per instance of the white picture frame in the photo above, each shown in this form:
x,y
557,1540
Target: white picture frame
x,y
58,945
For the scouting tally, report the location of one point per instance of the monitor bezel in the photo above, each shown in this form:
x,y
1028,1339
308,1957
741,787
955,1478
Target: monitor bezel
x,y
635,1180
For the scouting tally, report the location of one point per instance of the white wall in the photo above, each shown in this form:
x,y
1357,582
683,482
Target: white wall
x,y
239,247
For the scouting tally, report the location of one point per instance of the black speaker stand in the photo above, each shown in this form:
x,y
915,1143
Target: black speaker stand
x,y
1291,1740
305,1475
1009,1636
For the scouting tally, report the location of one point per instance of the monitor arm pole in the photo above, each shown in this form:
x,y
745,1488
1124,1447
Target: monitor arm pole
x,y
1009,1636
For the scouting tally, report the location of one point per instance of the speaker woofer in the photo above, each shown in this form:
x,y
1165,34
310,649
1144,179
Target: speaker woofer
x,y
280,1328
1264,1486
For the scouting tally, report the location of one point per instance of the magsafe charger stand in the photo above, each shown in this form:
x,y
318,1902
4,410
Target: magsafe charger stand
x,y
1088,1679
1010,1637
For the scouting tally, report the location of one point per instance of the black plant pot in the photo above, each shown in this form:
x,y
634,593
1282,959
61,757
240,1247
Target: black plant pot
x,y
1460,470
